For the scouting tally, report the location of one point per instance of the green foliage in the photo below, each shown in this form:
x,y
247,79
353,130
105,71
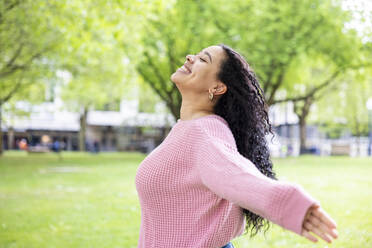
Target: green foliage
x,y
94,60
84,38
147,98
347,105
165,46
27,40
110,48
333,130
274,36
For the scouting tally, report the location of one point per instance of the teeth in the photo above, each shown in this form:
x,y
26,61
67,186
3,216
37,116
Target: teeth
x,y
185,69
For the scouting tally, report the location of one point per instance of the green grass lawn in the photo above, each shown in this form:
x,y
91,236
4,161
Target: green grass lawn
x,y
87,200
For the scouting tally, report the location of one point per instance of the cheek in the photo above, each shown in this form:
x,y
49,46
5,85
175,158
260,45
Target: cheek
x,y
201,73
200,80
206,76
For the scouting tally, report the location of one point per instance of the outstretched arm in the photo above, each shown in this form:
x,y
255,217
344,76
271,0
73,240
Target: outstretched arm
x,y
231,176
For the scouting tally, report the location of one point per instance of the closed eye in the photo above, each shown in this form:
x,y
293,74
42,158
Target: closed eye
x,y
203,60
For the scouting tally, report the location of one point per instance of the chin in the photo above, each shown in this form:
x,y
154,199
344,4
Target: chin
x,y
175,78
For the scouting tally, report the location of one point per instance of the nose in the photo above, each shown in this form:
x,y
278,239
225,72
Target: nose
x,y
190,58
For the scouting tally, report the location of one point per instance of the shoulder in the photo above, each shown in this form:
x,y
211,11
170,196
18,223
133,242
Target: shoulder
x,y
213,127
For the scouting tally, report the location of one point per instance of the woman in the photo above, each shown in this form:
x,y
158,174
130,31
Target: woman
x,y
212,177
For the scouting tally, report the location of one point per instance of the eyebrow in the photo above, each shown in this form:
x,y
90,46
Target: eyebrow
x,y
209,55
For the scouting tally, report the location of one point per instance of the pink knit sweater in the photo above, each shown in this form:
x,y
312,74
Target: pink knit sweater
x,y
193,186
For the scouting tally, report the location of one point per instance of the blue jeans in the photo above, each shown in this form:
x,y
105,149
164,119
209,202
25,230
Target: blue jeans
x,y
228,245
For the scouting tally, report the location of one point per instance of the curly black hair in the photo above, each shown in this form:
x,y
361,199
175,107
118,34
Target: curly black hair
x,y
244,108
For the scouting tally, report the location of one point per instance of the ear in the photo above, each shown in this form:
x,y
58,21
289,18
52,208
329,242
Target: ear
x,y
220,88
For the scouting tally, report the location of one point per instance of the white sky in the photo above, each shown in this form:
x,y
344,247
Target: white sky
x,y
362,20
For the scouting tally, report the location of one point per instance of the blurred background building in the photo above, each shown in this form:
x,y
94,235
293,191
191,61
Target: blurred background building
x,y
131,130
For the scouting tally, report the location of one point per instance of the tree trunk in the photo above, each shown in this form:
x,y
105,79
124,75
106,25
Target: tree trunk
x,y
10,138
358,133
302,113
83,125
302,134
1,131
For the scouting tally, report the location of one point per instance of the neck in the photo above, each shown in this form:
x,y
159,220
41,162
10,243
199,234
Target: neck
x,y
191,111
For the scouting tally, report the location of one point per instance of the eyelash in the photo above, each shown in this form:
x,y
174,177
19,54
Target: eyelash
x,y
203,60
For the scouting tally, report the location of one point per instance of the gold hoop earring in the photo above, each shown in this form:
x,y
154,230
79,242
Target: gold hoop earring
x,y
210,96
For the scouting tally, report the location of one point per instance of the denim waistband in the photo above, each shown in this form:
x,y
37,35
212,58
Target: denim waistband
x,y
228,245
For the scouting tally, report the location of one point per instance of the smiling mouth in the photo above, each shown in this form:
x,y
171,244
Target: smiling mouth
x,y
184,69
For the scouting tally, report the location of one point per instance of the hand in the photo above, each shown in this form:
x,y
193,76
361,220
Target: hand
x,y
320,223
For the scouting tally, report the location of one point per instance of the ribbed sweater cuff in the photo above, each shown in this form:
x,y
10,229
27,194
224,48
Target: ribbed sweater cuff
x,y
295,209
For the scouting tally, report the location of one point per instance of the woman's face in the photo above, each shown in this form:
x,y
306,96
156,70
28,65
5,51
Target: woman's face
x,y
199,73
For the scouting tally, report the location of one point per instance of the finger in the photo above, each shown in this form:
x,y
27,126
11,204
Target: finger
x,y
315,205
309,212
307,235
324,217
317,231
317,223
314,220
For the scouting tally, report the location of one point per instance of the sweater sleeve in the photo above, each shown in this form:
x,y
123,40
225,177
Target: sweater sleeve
x,y
224,171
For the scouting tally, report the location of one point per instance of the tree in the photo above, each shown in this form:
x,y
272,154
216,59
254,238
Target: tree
x,y
271,34
350,111
165,46
319,72
315,78
98,67
26,41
